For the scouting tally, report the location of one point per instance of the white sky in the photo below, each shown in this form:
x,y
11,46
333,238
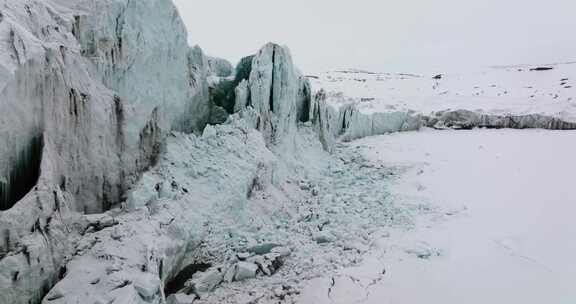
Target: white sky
x,y
385,35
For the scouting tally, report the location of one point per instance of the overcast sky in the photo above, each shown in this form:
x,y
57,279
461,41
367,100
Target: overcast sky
x,y
386,35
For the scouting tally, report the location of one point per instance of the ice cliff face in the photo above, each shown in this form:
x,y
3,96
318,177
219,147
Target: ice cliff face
x,y
269,84
135,44
352,123
202,199
272,91
88,92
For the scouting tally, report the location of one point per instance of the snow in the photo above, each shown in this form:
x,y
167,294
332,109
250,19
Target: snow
x,y
506,238
503,90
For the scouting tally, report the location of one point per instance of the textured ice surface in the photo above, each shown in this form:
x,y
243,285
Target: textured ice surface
x,y
220,67
274,89
172,211
102,83
225,196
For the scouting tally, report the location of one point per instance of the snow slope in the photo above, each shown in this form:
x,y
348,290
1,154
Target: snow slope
x,y
496,90
519,97
509,198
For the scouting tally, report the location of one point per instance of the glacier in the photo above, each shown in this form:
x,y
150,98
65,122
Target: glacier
x,y
89,91
135,168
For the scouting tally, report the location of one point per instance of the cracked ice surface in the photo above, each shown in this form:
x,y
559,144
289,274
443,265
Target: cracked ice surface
x,y
508,202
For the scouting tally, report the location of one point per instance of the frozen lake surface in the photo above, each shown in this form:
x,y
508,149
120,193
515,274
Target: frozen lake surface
x,y
510,201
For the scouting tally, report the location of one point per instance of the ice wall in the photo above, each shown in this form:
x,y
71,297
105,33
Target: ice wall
x,y
346,122
464,119
202,187
101,83
270,84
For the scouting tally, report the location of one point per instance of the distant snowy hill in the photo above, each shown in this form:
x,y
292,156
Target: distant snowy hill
x,y
547,89
523,96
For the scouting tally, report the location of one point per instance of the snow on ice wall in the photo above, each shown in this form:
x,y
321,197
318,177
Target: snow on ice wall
x,y
369,103
88,91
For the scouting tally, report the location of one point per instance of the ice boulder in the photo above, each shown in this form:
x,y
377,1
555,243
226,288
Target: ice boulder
x,y
274,87
206,281
245,270
220,67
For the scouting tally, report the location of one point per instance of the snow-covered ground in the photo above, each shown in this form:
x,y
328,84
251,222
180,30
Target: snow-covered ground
x,y
518,90
508,235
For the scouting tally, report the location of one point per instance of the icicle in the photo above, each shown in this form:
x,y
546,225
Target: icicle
x,y
23,175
